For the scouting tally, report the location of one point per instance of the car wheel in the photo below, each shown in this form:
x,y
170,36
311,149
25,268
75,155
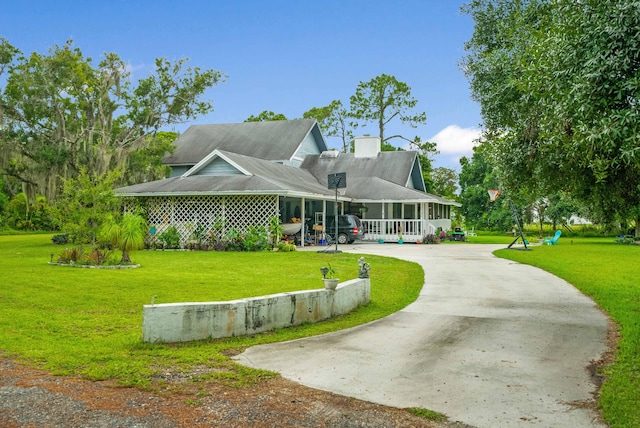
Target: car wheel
x,y
342,238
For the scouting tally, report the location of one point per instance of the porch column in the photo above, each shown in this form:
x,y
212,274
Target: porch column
x,y
303,235
324,214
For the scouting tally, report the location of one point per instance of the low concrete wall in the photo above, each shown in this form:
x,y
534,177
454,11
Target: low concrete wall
x,y
183,322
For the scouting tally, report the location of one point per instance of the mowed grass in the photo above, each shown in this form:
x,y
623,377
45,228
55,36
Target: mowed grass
x,y
610,274
88,322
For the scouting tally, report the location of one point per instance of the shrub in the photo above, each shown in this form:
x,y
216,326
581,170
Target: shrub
x,y
285,247
60,239
220,245
234,240
625,240
98,257
275,229
431,239
71,255
198,239
256,239
170,238
24,215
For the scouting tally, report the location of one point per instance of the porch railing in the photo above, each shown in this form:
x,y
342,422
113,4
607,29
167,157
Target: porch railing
x,y
390,230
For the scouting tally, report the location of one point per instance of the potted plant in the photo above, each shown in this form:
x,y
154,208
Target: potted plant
x,y
400,240
328,277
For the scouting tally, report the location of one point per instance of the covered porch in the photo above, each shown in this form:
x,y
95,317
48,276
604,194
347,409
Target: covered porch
x,y
405,221
394,230
381,221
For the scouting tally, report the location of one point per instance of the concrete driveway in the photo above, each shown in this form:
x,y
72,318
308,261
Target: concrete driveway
x,y
489,342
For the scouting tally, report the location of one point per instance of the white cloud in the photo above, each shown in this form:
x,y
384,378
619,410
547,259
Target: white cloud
x,y
454,140
130,68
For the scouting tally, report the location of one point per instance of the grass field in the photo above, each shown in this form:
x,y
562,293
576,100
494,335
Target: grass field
x,y
608,273
89,321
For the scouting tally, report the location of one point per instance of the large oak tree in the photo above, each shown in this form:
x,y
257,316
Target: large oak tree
x,y
558,82
60,114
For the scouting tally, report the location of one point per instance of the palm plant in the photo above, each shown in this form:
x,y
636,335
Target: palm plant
x,y
126,235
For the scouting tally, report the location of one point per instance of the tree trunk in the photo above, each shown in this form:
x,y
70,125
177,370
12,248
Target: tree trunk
x,y
125,257
638,226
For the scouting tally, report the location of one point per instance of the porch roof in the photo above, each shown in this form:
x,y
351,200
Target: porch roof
x,y
375,189
215,185
255,176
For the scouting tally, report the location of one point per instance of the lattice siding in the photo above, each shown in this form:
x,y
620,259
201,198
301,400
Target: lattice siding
x,y
187,212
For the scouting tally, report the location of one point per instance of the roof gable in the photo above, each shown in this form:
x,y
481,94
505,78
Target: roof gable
x,y
216,163
416,180
278,140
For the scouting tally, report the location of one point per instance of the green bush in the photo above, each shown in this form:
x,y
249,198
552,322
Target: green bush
x,y
24,215
71,255
60,239
286,247
170,238
625,240
256,239
431,239
99,257
234,240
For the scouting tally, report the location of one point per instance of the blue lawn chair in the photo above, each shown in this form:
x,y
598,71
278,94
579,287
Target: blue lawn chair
x,y
553,240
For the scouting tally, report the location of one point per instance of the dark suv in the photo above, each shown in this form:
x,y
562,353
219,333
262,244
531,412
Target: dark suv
x,y
349,228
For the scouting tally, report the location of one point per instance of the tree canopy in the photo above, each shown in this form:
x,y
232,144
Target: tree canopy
x,y
558,82
59,113
266,116
476,177
335,121
445,182
382,100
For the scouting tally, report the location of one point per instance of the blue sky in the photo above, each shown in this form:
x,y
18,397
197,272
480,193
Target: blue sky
x,y
285,56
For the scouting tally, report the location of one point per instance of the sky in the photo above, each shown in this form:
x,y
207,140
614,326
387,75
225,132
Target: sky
x,y
284,56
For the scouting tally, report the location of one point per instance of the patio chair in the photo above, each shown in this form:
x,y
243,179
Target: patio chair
x,y
553,240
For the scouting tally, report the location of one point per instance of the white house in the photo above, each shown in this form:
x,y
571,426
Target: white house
x,y
245,173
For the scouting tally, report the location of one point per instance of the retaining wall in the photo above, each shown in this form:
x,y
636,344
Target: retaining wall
x,y
183,322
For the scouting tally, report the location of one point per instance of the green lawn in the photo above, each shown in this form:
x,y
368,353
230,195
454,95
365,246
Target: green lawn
x,y
610,274
89,321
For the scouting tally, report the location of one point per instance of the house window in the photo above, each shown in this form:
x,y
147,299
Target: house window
x,y
409,211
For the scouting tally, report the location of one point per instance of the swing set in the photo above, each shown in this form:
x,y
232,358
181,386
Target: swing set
x,y
493,195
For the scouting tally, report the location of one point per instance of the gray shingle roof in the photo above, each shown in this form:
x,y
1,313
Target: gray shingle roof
x,y
394,167
252,148
274,140
374,189
265,177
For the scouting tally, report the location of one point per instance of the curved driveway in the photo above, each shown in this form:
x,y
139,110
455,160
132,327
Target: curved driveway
x,y
489,342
